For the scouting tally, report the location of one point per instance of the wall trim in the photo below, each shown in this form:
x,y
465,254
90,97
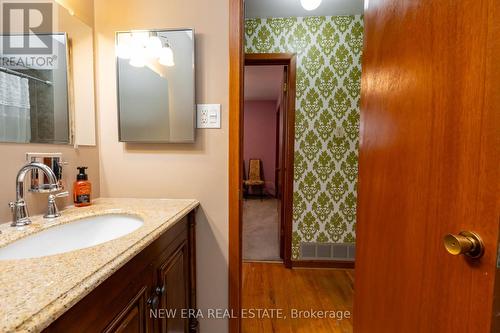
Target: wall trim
x,y
323,264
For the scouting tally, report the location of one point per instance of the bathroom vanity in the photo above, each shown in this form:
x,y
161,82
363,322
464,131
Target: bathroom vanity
x,y
133,283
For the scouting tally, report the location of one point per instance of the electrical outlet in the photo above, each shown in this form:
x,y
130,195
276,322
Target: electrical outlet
x,y
208,116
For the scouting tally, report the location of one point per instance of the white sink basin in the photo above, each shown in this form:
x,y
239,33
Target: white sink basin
x,y
71,236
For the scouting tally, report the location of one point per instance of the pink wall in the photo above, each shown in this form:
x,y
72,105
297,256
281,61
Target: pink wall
x,y
260,138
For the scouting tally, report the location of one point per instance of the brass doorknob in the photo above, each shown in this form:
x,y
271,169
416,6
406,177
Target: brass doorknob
x,y
466,242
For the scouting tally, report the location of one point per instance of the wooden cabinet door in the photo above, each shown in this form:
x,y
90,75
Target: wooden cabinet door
x,y
133,318
428,165
173,276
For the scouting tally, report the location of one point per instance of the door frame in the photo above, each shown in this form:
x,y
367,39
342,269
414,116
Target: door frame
x,y
279,160
286,215
236,67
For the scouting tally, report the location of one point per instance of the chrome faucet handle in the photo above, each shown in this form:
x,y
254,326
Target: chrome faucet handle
x,y
52,210
19,213
12,206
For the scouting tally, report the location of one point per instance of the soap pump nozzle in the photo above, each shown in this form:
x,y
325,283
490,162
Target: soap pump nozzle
x,y
81,173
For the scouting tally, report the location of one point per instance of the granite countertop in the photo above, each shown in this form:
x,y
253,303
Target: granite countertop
x,y
35,292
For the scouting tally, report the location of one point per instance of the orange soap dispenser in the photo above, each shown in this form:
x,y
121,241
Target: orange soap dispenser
x,y
82,188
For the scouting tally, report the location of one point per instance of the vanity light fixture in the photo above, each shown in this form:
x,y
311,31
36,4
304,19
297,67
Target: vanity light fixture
x,y
310,4
139,47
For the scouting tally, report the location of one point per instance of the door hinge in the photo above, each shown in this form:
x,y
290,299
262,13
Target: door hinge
x,y
285,87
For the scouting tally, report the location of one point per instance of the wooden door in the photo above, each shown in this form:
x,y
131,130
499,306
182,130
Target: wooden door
x,y
174,291
428,165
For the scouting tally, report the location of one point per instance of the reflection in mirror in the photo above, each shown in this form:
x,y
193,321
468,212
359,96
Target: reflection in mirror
x,y
156,85
34,92
50,96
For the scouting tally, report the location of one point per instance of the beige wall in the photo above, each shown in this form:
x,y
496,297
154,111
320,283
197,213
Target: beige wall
x,y
173,170
14,157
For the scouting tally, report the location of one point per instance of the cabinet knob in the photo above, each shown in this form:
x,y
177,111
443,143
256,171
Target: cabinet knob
x,y
154,301
160,290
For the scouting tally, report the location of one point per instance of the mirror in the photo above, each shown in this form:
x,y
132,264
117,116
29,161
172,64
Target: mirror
x,y
49,97
34,95
156,86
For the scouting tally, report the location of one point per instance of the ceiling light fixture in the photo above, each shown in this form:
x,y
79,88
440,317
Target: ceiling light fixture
x,y
310,4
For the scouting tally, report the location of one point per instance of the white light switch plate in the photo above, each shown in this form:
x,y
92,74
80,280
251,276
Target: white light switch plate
x,y
208,116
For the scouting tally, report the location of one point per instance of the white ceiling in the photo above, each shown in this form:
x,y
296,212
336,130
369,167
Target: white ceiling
x,y
292,8
263,83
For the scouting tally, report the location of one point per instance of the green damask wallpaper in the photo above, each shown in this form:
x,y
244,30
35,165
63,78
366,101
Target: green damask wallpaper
x,y
327,119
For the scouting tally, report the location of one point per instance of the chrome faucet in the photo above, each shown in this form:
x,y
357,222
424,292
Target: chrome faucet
x,y
20,216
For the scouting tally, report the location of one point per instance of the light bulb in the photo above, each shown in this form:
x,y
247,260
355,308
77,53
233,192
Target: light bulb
x,y
137,58
137,44
166,57
123,49
153,46
310,4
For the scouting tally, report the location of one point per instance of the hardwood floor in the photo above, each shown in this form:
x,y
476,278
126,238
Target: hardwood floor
x,y
272,286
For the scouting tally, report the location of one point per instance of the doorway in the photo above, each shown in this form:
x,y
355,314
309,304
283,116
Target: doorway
x,y
268,136
269,131
323,172
319,208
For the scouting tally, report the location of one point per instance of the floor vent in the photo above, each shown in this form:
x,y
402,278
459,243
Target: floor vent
x,y
327,251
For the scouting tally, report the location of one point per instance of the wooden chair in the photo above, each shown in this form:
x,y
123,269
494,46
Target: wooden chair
x,y
255,179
